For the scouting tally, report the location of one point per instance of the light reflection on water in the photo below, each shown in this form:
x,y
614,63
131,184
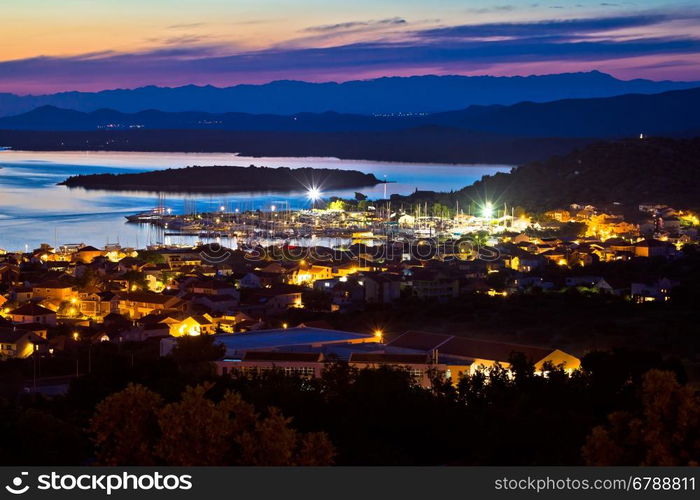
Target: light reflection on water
x,y
34,210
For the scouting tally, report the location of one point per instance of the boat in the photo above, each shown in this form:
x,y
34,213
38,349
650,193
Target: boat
x,y
149,216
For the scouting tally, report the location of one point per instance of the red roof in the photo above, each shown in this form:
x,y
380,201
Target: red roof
x,y
421,341
31,310
467,347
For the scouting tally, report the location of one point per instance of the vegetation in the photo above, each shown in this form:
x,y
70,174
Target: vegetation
x,y
629,171
159,411
134,427
225,178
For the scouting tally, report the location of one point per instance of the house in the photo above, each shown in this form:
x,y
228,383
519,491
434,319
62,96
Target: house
x,y
530,282
138,304
650,292
560,215
272,301
348,294
97,304
87,254
54,291
652,248
33,313
217,303
9,273
21,294
250,280
18,343
430,284
212,287
193,325
236,322
382,288
596,282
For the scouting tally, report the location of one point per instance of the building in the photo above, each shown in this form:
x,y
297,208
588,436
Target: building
x,y
278,339
429,284
54,291
382,288
17,343
466,355
135,305
199,324
652,248
33,313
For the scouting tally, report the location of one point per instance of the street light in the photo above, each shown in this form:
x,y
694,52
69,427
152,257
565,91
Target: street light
x,y
487,210
314,194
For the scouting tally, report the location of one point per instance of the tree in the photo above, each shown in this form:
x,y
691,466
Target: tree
x,y
337,205
360,196
151,257
194,355
125,427
132,427
195,431
665,431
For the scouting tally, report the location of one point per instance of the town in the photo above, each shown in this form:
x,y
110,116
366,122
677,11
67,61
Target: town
x,y
285,307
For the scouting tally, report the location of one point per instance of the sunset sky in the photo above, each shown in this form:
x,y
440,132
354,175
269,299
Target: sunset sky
x,y
48,46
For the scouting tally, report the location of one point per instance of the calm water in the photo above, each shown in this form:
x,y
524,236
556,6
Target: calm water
x,y
34,210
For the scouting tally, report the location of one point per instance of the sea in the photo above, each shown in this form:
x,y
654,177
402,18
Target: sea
x,y
34,209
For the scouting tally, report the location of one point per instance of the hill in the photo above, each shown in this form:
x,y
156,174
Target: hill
x,y
426,94
674,113
427,144
628,172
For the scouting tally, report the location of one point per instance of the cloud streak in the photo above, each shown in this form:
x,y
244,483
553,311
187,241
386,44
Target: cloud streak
x,y
604,42
324,28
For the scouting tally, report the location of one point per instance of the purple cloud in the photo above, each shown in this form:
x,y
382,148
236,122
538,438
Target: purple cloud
x,y
450,49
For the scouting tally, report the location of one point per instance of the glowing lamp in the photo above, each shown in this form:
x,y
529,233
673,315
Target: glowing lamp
x,y
314,194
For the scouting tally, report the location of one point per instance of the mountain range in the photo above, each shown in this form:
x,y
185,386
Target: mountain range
x,y
674,113
388,95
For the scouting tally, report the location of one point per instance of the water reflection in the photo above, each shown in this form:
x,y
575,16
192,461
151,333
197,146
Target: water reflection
x,y
33,209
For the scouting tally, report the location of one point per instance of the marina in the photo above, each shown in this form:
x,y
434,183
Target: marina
x,y
34,209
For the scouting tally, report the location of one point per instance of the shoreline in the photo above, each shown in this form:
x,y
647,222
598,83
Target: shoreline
x,y
237,155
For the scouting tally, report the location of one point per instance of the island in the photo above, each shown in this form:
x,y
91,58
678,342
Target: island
x,y
225,179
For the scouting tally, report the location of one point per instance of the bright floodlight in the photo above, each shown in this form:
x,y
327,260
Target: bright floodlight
x,y
314,194
487,211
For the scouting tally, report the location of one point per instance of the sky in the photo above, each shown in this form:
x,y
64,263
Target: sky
x,y
48,46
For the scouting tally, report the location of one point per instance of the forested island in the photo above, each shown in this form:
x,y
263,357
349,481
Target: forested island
x,y
626,172
225,179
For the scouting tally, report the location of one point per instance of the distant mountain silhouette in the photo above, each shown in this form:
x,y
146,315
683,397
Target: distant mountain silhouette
x,y
674,113
425,144
427,93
